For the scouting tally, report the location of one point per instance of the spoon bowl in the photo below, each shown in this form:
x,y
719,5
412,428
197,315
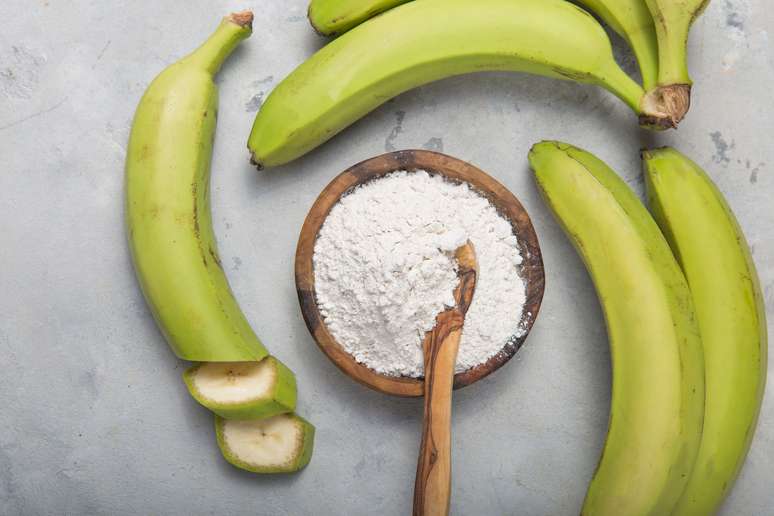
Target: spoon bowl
x,y
453,170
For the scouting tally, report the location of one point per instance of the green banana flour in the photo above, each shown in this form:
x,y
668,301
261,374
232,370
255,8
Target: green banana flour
x,y
384,269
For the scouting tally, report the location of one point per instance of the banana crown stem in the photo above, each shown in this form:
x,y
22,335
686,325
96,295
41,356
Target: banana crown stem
x,y
214,51
664,107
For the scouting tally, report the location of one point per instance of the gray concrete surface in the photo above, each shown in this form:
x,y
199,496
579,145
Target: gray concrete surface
x,y
95,419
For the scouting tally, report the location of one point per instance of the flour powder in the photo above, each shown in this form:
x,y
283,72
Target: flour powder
x,y
384,269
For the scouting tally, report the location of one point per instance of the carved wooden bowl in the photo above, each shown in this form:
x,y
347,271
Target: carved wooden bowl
x,y
455,170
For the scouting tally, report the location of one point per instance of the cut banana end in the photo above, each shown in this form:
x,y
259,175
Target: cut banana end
x,y
243,390
664,107
280,444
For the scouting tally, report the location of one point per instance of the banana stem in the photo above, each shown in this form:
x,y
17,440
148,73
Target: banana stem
x,y
645,47
625,88
673,42
213,52
664,107
666,104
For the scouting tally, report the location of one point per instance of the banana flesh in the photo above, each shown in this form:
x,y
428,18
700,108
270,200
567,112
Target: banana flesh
x,y
332,17
424,41
712,251
279,444
168,208
232,382
657,404
243,390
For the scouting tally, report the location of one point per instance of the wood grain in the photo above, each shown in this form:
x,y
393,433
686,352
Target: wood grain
x,y
432,486
455,170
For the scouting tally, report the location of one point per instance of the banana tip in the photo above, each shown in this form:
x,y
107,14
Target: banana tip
x,y
648,154
243,19
255,161
311,17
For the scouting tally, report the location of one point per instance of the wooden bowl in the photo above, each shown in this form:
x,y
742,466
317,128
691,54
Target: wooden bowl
x,y
451,168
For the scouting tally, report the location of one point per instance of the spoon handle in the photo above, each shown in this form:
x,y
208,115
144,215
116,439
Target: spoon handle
x,y
433,482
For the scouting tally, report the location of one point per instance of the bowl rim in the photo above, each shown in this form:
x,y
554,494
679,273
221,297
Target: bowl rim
x,y
453,169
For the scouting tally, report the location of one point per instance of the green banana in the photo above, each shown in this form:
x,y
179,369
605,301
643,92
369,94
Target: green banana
x,y
631,19
712,251
673,19
332,17
168,210
657,401
423,41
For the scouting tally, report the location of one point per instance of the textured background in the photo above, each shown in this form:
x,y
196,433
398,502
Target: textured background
x,y
95,419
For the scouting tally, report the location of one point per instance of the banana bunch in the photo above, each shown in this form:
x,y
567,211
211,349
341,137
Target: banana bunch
x,y
686,322
176,260
631,19
419,42
657,405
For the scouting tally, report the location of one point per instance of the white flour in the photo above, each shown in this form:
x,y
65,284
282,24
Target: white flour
x,y
384,269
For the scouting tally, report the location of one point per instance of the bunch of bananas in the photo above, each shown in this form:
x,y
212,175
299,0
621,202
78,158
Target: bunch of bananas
x,y
686,323
412,43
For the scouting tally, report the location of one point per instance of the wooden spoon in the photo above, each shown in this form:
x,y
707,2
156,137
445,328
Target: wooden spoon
x,y
433,482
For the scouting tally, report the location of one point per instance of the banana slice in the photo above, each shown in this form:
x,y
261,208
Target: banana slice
x,y
280,444
243,390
